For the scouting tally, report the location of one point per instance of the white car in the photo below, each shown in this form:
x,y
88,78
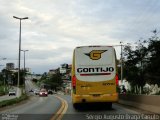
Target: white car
x,y
12,92
36,92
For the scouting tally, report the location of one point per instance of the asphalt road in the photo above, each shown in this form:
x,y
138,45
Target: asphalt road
x,y
30,86
44,108
36,108
100,111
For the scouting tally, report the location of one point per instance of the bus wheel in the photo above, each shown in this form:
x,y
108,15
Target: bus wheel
x,y
109,105
76,106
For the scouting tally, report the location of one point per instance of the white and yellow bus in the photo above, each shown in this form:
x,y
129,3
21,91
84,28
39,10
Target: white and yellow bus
x,y
94,75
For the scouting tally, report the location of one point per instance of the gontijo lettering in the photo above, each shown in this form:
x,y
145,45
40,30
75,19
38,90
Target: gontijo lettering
x,y
96,69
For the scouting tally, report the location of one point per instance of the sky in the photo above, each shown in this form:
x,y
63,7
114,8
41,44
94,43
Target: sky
x,y
56,27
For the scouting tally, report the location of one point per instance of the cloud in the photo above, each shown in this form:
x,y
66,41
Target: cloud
x,y
56,27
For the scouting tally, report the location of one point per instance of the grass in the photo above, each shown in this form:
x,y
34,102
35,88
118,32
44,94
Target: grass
x,y
13,101
2,90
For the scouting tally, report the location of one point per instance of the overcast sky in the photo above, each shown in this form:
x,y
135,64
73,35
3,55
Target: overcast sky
x,y
56,27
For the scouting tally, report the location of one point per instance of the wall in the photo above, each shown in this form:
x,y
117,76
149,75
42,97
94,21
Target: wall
x,y
146,102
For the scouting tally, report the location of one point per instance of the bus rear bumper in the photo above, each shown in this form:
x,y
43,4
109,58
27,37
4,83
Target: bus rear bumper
x,y
94,98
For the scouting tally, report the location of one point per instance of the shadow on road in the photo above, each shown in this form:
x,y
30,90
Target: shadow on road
x,y
93,107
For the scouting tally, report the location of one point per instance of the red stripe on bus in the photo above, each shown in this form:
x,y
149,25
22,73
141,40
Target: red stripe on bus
x,y
92,74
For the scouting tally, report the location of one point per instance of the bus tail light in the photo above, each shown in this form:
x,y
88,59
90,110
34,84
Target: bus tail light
x,y
74,84
116,79
74,81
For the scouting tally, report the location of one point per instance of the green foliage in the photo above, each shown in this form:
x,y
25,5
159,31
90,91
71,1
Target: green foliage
x,y
2,92
53,80
10,75
141,64
157,93
154,48
1,79
13,101
134,63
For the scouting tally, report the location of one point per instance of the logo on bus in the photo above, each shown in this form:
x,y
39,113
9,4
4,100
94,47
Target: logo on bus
x,y
95,54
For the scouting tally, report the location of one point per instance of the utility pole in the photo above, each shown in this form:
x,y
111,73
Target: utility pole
x,y
24,66
121,62
19,55
24,58
121,45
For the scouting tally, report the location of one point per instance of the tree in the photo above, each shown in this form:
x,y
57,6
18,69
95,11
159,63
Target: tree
x,y
9,75
141,64
53,80
56,80
134,63
153,68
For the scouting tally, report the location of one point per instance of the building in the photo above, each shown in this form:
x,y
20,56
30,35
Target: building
x,y
10,66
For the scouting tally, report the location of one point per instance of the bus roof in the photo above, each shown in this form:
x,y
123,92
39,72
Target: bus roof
x,y
93,46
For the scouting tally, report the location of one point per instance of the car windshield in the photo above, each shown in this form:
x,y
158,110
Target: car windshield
x,y
11,90
43,90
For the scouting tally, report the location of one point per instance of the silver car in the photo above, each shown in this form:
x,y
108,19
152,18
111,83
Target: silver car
x,y
36,92
12,92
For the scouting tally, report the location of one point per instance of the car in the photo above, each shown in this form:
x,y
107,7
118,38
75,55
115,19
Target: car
x,y
36,92
12,92
43,92
30,90
50,92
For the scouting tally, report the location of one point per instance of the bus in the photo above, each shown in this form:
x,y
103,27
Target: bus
x,y
94,75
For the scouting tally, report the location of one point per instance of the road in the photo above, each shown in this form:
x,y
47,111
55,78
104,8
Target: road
x,y
95,111
36,107
57,107
41,108
29,85
44,108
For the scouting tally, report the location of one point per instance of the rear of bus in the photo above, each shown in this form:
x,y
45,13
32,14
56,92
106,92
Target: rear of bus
x,y
94,75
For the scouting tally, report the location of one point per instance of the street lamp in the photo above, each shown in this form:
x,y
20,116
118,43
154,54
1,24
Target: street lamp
x,y
121,58
24,67
121,45
24,58
19,56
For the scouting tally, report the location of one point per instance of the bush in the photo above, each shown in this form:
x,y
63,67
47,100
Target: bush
x,y
2,90
158,93
2,93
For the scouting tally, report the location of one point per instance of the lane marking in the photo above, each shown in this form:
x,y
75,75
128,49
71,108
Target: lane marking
x,y
62,110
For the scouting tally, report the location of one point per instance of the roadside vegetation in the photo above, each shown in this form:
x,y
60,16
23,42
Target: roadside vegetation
x,y
141,63
3,90
8,79
13,101
50,81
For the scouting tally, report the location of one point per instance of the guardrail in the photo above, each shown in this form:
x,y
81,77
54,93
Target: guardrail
x,y
149,103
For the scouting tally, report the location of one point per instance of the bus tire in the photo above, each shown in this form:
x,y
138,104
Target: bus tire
x,y
109,105
76,105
